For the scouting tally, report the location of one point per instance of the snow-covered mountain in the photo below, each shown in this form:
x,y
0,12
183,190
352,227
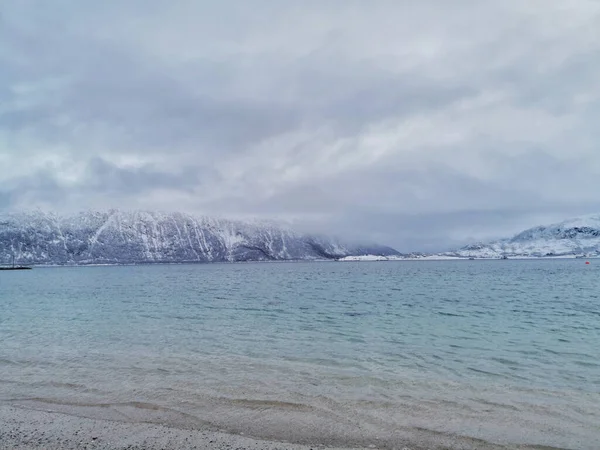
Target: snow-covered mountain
x,y
122,237
574,237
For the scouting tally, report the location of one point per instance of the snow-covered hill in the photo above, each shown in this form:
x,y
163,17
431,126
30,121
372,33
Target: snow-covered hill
x,y
574,237
121,237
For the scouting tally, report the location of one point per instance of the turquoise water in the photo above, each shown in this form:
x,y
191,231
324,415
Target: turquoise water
x,y
503,351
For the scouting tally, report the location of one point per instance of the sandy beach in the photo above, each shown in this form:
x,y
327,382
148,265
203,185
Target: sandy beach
x,y
24,428
31,429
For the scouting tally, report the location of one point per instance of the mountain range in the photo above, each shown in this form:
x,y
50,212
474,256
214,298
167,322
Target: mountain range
x,y
129,237
141,237
574,237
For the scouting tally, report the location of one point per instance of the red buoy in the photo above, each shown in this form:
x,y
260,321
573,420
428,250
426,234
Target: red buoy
x,y
587,262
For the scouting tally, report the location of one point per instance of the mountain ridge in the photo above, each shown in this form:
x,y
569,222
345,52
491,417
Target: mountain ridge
x,y
579,236
126,237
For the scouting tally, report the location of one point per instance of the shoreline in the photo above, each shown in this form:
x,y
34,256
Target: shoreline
x,y
349,259
23,428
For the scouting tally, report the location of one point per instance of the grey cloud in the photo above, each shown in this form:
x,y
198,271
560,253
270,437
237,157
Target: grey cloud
x,y
553,90
439,123
5,200
102,180
106,177
145,106
429,210
40,186
144,103
142,106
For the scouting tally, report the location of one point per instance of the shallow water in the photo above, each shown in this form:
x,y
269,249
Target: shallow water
x,y
503,351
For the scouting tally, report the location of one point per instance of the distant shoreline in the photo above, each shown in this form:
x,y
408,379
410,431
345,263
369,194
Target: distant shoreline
x,y
343,260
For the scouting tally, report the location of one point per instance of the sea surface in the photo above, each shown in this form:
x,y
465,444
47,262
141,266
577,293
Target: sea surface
x,y
505,352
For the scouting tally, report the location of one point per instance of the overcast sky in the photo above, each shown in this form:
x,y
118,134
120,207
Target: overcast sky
x,y
419,124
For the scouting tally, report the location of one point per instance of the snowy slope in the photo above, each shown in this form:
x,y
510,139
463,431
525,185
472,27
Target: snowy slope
x,y
573,237
121,237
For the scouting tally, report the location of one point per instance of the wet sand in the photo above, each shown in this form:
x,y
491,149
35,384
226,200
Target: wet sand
x,y
30,429
24,428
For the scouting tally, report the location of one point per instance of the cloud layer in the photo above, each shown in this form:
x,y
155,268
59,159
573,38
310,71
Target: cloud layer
x,y
420,124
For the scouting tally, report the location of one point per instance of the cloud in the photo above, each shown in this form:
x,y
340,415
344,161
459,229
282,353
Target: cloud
x,y
419,124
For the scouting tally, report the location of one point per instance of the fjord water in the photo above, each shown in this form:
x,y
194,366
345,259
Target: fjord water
x,y
502,351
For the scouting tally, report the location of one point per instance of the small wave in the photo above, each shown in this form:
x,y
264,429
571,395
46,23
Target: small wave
x,y
485,372
268,404
496,404
587,364
441,313
506,362
9,362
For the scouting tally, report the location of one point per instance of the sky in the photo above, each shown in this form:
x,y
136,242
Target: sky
x,y
423,125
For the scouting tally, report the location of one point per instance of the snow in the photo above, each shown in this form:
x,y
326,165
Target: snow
x,y
591,221
578,236
414,257
129,237
364,258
